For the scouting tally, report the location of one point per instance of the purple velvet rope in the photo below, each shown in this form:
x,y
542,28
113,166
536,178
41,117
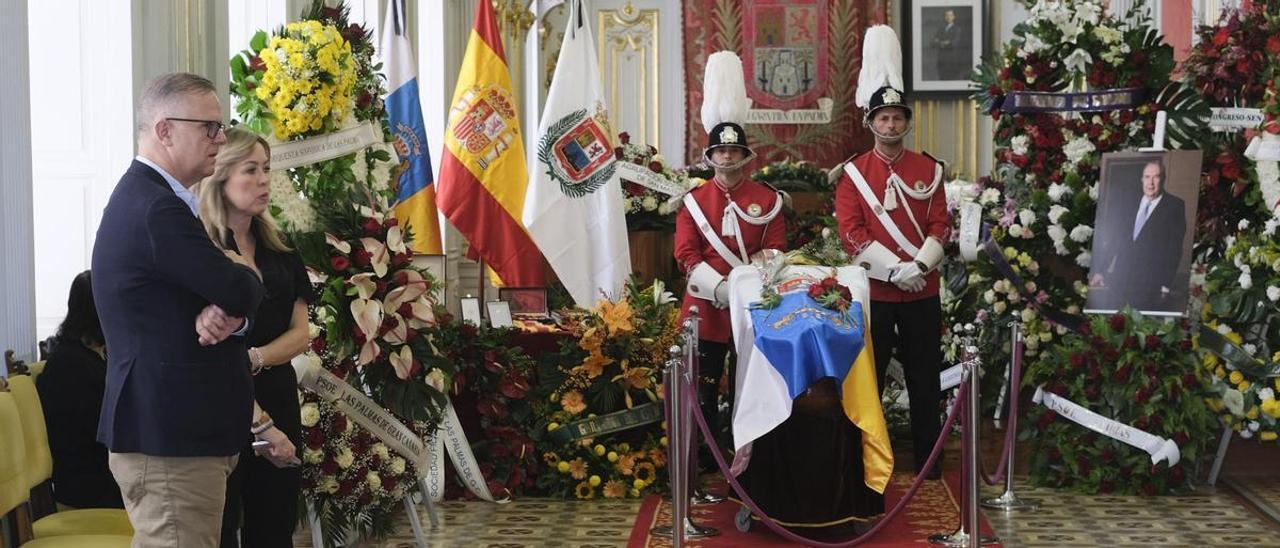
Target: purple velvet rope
x,y
884,521
1011,433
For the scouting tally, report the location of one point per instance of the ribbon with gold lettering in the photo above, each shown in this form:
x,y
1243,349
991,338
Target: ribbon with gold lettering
x,y
1085,101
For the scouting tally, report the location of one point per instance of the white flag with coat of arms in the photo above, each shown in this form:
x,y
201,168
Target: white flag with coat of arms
x,y
573,207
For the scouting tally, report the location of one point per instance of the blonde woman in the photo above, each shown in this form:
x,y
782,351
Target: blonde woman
x,y
233,207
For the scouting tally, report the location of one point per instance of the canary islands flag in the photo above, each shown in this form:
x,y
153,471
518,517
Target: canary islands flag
x,y
415,194
483,170
784,350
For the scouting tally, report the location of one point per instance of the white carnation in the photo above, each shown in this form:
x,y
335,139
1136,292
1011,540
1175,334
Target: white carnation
x,y
360,167
989,196
1028,315
1076,150
345,458
312,456
329,485
1019,144
380,449
1027,217
649,203
989,296
310,415
1253,426
999,307
1058,191
1057,233
1246,281
1269,228
1265,394
1273,293
1250,348
1223,329
1083,259
1015,231
1081,233
1243,224
397,465
373,480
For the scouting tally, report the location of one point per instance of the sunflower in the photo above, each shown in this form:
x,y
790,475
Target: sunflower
x,y
614,489
584,491
551,459
645,472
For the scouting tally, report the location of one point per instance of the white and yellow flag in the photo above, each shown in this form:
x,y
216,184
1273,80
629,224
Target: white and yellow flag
x,y
573,206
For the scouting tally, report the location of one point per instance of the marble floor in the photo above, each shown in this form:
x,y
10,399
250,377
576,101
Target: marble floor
x,y
1243,509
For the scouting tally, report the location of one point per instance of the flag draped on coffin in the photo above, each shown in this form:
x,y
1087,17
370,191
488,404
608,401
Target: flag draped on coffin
x,y
415,194
483,174
574,209
781,351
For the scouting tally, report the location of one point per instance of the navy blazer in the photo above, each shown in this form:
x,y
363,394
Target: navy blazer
x,y
154,270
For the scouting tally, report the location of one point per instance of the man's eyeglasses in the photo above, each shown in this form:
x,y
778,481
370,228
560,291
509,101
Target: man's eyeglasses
x,y
211,127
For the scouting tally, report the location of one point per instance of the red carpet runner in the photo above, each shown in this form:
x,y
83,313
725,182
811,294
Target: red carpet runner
x,y
935,509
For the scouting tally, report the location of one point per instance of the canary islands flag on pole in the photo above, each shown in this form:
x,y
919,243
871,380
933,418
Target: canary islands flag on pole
x,y
483,171
784,350
415,194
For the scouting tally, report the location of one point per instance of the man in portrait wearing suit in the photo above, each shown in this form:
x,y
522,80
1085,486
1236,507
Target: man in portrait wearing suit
x,y
1138,262
949,61
179,397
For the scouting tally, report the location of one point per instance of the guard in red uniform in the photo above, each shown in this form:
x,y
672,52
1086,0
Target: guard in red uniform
x,y
892,213
723,223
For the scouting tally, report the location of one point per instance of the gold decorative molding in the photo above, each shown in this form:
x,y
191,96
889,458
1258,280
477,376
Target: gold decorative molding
x,y
629,46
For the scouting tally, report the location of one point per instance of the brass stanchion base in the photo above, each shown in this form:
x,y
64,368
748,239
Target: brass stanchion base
x,y
959,538
691,530
1010,501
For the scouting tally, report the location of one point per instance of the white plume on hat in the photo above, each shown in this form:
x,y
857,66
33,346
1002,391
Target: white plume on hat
x,y
724,93
881,64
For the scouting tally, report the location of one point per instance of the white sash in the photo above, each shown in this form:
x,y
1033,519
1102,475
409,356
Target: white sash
x,y
860,183
1159,448
705,227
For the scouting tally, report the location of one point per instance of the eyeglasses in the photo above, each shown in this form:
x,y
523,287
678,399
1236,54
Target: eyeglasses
x,y
211,127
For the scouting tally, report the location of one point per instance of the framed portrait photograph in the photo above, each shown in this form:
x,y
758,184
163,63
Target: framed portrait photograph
x,y
942,45
499,314
1143,231
526,302
471,311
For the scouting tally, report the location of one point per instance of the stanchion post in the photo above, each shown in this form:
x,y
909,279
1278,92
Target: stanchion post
x,y
1008,500
679,377
969,532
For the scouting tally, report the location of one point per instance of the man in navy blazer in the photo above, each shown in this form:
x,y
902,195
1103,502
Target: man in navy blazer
x,y
1138,263
179,396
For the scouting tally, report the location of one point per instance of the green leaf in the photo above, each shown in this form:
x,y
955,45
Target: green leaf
x,y
237,67
258,41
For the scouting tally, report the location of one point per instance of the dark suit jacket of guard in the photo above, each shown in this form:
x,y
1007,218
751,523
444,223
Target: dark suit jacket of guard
x,y
154,270
1143,265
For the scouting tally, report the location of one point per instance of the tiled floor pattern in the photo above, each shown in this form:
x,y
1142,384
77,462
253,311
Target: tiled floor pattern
x,y
1212,517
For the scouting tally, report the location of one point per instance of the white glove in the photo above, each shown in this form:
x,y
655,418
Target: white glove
x,y
722,295
908,277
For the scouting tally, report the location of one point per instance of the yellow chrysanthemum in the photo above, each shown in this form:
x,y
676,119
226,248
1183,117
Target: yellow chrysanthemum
x,y
1236,377
1268,436
594,481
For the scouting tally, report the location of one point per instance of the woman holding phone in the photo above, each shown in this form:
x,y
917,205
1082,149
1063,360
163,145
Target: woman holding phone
x,y
234,209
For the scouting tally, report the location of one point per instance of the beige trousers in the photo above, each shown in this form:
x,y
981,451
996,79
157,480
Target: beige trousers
x,y
173,502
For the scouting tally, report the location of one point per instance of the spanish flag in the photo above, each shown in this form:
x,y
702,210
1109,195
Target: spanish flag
x,y
483,174
415,194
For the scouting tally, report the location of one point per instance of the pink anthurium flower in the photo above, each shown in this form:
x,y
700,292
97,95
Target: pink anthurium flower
x,y
378,256
368,316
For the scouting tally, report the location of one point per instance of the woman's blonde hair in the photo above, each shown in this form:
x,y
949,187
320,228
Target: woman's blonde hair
x,y
213,201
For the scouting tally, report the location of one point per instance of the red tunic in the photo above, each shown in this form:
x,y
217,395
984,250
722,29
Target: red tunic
x,y
859,226
692,248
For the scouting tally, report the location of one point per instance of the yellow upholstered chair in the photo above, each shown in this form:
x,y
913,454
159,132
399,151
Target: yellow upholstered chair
x,y
14,486
39,466
36,369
